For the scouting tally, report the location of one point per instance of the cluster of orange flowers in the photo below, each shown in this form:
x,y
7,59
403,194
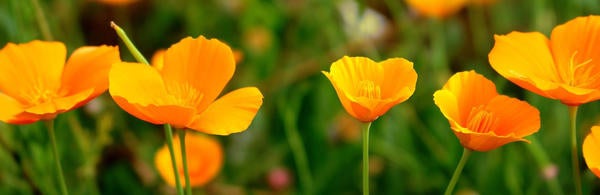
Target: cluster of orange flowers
x,y
182,88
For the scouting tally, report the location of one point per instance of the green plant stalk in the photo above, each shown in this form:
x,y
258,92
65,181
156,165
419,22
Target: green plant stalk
x,y
188,187
41,20
61,177
541,158
461,164
169,134
365,158
574,151
297,149
134,51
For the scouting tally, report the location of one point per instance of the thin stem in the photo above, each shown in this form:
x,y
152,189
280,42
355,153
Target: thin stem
x,y
365,169
41,20
134,51
61,178
461,164
169,134
297,147
188,187
574,151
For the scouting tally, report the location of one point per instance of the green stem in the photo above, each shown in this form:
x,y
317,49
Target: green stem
x,y
297,147
41,20
365,169
574,151
134,51
461,164
541,157
61,178
169,134
188,187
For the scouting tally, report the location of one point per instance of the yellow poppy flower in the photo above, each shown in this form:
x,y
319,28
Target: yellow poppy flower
x,y
368,89
481,118
184,91
436,8
37,84
565,67
204,159
591,148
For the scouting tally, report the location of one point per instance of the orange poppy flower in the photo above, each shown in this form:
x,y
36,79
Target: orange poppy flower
x,y
481,118
566,67
37,84
184,91
591,146
436,8
204,159
368,89
117,2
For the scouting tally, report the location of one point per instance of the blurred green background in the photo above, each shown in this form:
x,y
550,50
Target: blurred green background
x,y
285,45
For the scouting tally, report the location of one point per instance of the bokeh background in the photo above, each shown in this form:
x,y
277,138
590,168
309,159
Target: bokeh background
x,y
285,44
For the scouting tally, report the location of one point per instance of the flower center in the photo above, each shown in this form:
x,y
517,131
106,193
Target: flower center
x,y
368,89
185,94
481,120
575,78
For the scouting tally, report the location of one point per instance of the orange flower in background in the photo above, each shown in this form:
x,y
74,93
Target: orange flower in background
x,y
184,92
482,2
481,118
436,8
117,2
368,89
37,84
204,159
565,67
591,150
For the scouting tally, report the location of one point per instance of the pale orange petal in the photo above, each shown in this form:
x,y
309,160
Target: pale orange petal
x,y
88,68
30,69
347,72
526,60
470,90
60,104
447,102
206,65
231,113
11,109
399,75
514,116
483,142
591,150
342,96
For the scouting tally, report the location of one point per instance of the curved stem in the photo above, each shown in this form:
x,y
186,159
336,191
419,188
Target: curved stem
x,y
61,178
461,164
41,20
169,134
365,169
188,187
297,147
574,151
134,51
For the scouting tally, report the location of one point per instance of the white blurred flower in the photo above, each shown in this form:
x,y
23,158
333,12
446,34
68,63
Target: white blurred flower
x,y
367,26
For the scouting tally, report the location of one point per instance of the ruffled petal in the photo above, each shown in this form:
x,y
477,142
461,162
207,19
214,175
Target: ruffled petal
x,y
88,68
514,116
229,114
483,142
205,65
470,90
400,79
13,112
31,69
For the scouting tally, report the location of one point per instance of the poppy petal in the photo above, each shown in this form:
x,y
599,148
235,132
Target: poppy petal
x,y
88,68
146,87
483,142
396,69
158,59
526,60
207,65
591,148
515,116
470,90
60,104
11,109
33,66
343,96
177,116
229,114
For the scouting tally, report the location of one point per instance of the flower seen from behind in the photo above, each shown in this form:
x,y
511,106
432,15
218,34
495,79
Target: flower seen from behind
x,y
204,159
481,118
37,84
591,150
183,90
565,67
368,89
